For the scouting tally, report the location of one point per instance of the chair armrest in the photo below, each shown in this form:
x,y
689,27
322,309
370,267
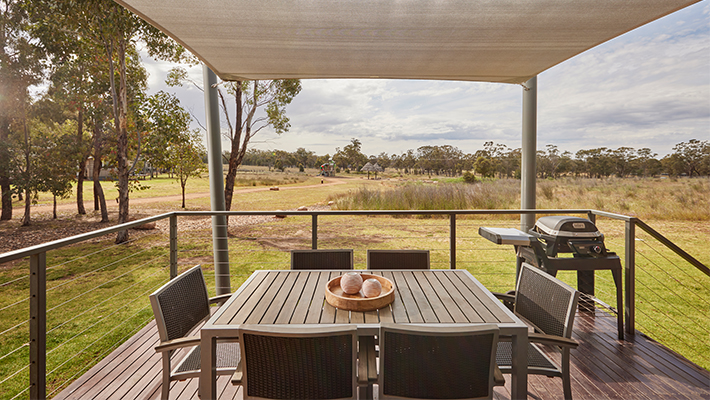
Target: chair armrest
x,y
504,296
508,298
552,340
220,299
237,375
498,378
177,343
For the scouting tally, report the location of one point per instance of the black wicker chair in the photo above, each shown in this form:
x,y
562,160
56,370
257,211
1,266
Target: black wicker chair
x,y
298,363
438,362
398,259
549,306
322,259
179,307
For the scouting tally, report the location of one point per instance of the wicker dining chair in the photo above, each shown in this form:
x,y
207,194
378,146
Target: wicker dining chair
x,y
398,259
549,306
438,362
179,307
322,259
282,362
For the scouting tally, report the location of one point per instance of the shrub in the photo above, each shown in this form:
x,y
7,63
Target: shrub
x,y
468,177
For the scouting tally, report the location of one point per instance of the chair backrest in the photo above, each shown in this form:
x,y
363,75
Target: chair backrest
x,y
298,363
545,301
398,259
437,362
322,259
180,304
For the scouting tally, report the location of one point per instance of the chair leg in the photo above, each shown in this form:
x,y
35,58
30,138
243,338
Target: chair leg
x,y
165,392
566,384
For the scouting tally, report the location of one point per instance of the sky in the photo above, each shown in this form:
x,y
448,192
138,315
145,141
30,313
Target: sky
x,y
647,88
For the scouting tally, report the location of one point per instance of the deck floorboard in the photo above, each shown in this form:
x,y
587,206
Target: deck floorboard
x,y
603,367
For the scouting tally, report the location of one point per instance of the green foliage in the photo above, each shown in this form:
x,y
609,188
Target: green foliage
x,y
279,165
168,124
484,166
350,157
468,177
689,158
185,156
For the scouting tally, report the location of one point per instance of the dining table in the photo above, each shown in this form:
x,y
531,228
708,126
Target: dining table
x,y
297,298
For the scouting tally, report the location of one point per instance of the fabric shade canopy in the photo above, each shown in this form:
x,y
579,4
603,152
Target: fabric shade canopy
x,y
471,40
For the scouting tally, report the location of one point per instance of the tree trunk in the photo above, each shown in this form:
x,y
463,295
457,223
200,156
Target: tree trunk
x,y
54,206
82,163
5,190
119,109
6,198
99,198
28,202
183,195
234,152
28,171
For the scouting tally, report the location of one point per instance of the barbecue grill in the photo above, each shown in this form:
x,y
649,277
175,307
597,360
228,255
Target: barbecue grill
x,y
574,235
563,243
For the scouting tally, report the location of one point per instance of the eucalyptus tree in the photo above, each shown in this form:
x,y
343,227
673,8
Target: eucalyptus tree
x,y
117,31
79,81
21,66
384,160
693,157
350,156
167,123
185,153
56,167
257,105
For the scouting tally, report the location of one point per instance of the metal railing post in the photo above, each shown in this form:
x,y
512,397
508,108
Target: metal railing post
x,y
314,231
452,241
630,276
38,326
173,246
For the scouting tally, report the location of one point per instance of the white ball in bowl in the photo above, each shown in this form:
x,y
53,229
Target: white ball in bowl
x,y
371,288
351,282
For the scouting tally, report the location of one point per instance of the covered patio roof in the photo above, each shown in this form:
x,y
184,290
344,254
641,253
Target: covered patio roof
x,y
506,41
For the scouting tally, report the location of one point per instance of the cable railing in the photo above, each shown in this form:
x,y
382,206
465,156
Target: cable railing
x,y
93,294
81,296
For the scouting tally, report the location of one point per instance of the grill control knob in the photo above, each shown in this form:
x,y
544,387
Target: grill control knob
x,y
597,249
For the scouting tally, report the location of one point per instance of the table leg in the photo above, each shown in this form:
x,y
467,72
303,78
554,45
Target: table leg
x,y
519,373
367,367
208,367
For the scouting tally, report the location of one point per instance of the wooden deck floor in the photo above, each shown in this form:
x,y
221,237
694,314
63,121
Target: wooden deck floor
x,y
602,368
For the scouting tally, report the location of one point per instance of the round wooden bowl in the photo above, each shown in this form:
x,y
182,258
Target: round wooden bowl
x,y
335,296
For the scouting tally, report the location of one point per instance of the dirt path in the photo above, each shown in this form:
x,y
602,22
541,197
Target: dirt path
x,y
158,199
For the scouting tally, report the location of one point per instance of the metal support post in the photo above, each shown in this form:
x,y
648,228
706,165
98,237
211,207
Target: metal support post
x,y
630,276
220,247
528,155
314,231
173,246
38,326
452,240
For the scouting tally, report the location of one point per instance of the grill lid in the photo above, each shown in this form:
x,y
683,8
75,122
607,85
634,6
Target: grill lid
x,y
565,226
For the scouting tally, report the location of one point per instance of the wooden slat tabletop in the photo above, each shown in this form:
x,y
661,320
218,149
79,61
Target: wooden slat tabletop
x,y
298,297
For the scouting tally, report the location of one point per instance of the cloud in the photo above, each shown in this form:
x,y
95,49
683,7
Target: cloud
x,y
647,88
